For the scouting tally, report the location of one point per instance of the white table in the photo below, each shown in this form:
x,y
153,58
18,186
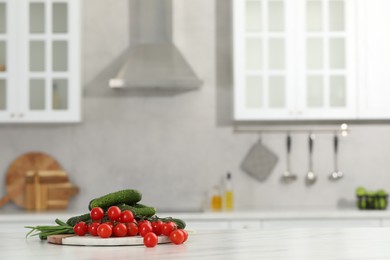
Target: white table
x,y
320,243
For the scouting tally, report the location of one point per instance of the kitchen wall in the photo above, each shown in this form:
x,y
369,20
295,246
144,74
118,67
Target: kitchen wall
x,y
175,146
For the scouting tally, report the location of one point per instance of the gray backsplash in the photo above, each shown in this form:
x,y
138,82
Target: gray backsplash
x,y
175,146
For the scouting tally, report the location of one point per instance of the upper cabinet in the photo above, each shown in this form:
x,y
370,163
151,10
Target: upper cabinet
x,y
302,59
39,61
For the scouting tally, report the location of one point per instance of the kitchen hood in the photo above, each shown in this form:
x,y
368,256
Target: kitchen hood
x,y
152,60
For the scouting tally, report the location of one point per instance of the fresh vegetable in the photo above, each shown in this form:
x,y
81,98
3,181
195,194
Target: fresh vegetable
x,y
104,230
132,229
127,216
80,228
74,220
118,214
44,231
92,228
150,239
177,237
145,228
123,196
168,227
114,213
156,225
120,230
143,211
97,213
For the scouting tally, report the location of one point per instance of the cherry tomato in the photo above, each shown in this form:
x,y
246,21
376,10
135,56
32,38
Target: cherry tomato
x,y
97,213
139,222
104,230
92,228
132,229
127,216
110,224
145,228
156,225
150,239
185,235
177,236
168,227
80,228
114,212
120,230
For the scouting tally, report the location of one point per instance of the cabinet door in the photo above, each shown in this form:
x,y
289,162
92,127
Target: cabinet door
x,y
262,47
326,50
8,89
49,87
374,42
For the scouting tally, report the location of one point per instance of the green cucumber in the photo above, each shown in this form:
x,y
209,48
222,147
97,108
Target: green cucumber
x,y
139,210
74,220
123,196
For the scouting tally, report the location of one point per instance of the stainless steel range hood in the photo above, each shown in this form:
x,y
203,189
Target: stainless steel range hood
x,y
152,59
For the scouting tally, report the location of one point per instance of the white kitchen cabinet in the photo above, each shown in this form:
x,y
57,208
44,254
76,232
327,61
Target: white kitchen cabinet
x,y
39,61
207,224
374,54
294,59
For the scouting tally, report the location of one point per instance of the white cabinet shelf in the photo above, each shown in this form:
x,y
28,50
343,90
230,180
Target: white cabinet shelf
x,y
39,61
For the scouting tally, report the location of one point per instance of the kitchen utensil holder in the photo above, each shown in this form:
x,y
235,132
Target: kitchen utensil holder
x,y
372,202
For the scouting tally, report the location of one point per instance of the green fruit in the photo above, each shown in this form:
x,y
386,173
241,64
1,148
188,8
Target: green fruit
x,y
361,191
381,192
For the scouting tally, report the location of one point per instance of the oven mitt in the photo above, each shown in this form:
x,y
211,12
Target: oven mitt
x,y
259,162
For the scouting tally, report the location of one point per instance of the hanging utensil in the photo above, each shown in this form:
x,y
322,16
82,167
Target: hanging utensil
x,y
288,176
311,177
336,174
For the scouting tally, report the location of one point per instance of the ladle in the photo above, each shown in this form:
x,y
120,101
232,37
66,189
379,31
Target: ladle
x,y
288,176
311,177
336,174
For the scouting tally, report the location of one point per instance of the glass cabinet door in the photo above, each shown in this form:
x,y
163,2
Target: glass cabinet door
x,y
7,63
48,55
328,72
50,46
261,55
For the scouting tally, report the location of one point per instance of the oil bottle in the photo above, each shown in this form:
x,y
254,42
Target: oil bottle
x,y
229,195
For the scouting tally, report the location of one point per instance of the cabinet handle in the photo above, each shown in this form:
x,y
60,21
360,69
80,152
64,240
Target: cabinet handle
x,y
12,115
21,115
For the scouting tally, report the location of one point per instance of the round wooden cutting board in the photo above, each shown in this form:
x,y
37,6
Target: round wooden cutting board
x,y
33,161
97,241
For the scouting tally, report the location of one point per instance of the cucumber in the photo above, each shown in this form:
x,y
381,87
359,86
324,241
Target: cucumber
x,y
118,197
180,223
74,220
139,210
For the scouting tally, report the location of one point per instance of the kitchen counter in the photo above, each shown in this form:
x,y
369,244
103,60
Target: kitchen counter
x,y
323,243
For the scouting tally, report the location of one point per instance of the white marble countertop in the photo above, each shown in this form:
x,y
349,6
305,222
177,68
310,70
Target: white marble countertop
x,y
323,243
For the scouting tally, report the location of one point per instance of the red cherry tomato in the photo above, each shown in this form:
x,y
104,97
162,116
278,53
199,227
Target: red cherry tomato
x,y
92,228
120,230
156,225
114,212
104,230
168,227
177,236
145,228
80,228
97,213
150,239
110,224
127,216
185,234
139,222
132,229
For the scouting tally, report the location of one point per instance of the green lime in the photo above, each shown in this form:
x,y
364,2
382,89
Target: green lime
x,y
360,191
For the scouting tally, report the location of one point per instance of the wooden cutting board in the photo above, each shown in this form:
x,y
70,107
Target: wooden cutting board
x,y
36,181
97,241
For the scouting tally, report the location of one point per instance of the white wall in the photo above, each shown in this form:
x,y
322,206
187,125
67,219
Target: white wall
x,y
174,148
